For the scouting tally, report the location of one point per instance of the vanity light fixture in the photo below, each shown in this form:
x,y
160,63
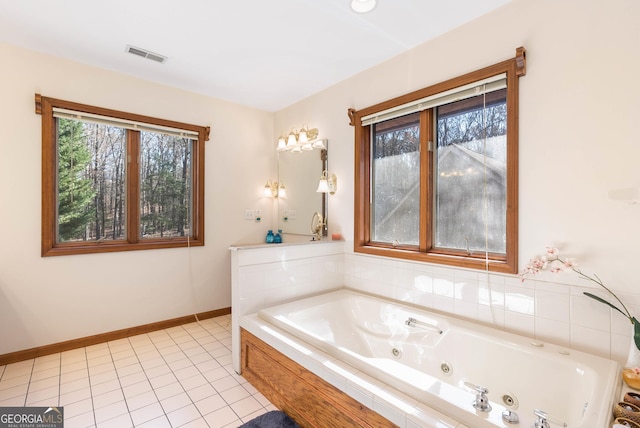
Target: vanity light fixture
x,y
269,190
282,191
297,141
292,141
328,183
318,144
302,136
274,189
363,6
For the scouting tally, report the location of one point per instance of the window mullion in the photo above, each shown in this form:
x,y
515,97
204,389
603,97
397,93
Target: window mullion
x,y
426,156
460,169
133,186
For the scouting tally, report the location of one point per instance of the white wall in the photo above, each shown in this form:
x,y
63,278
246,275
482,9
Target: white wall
x,y
578,111
578,139
48,300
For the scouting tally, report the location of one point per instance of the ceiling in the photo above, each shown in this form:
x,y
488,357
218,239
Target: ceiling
x,y
266,54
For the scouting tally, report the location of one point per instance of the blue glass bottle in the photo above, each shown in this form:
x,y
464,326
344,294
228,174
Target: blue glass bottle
x,y
277,239
270,237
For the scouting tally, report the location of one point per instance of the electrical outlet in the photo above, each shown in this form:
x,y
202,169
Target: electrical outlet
x,y
290,214
249,214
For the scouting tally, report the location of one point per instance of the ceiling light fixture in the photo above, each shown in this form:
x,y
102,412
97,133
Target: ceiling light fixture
x,y
363,6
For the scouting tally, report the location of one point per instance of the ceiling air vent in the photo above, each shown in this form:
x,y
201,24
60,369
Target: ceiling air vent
x,y
146,54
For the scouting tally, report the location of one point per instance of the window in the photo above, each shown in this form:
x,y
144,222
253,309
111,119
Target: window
x,y
437,172
116,181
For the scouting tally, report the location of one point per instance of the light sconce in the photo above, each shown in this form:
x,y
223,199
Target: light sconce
x,y
363,6
297,141
273,189
328,183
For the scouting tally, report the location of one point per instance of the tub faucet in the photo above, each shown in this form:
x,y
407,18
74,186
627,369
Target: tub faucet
x,y
482,401
412,322
541,422
544,418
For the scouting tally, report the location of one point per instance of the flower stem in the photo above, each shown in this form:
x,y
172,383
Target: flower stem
x,y
598,281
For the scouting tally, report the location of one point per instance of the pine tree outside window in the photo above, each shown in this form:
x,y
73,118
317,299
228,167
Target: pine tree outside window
x,y
116,181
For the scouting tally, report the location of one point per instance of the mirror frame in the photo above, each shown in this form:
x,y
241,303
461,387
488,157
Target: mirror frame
x,y
324,158
324,201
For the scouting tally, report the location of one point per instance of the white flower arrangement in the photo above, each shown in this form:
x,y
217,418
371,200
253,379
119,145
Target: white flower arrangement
x,y
551,261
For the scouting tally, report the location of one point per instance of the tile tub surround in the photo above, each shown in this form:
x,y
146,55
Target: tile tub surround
x,y
553,312
264,275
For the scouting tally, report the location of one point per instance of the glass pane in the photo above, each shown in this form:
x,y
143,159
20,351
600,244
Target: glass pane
x,y
471,186
165,186
91,181
395,181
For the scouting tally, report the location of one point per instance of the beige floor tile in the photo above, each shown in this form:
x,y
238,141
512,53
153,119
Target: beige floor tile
x,y
161,379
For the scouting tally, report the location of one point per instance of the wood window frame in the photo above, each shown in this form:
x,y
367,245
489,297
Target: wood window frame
x,y
50,247
506,263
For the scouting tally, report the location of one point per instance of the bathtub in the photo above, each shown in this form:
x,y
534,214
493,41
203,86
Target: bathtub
x,y
439,361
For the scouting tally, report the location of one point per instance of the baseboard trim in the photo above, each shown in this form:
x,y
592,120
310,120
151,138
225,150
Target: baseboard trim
x,y
54,348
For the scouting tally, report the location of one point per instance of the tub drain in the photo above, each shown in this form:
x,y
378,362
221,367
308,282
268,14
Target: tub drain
x,y
396,352
446,369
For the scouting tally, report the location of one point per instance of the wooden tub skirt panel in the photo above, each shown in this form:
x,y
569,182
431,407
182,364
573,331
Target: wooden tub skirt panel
x,y
306,398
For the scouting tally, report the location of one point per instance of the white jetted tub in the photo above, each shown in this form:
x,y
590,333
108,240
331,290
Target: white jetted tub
x,y
442,361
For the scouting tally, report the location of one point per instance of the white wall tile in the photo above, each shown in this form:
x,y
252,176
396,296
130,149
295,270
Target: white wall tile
x,y
552,306
491,315
591,340
443,285
519,323
552,331
586,312
423,281
465,309
550,311
519,299
444,304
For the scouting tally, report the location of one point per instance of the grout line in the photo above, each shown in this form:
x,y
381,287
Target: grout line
x,y
119,382
33,363
153,389
59,376
187,334
93,407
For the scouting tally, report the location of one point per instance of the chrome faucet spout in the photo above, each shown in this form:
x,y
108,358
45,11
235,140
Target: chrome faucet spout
x,y
412,322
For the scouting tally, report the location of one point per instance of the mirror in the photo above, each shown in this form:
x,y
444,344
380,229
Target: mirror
x,y
300,173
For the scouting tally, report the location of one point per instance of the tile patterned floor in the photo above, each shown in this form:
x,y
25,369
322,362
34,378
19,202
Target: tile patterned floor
x,y
178,377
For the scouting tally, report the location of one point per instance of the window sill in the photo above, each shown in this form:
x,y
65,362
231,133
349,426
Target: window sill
x,y
110,247
462,261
